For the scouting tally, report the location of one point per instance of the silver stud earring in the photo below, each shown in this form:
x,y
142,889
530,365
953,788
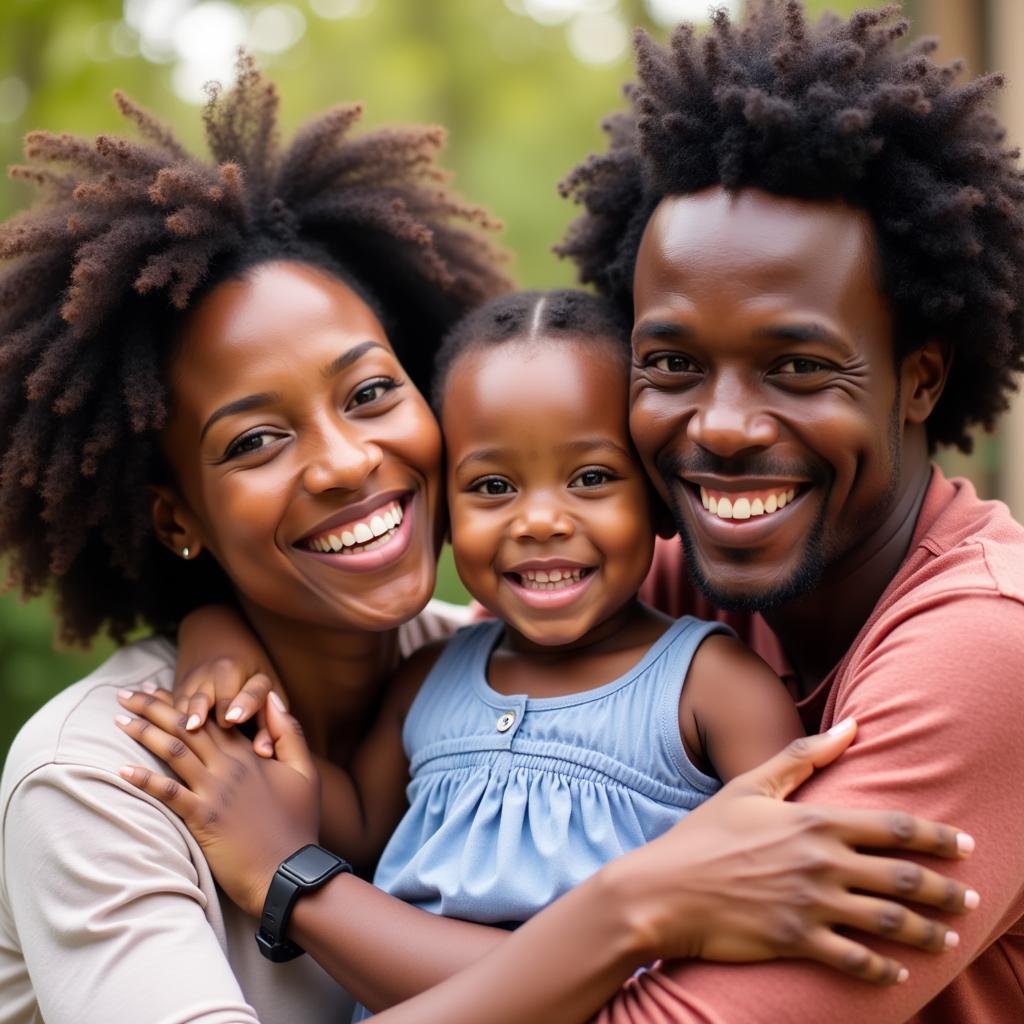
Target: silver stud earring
x,y
185,553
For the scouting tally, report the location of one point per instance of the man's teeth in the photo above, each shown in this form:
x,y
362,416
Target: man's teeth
x,y
363,536
550,579
745,506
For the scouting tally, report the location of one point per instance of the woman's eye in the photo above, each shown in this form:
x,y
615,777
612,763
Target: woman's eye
x,y
800,366
249,443
371,392
590,478
493,486
673,362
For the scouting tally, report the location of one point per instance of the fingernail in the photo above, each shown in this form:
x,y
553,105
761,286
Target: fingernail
x,y
122,719
126,694
951,940
192,723
278,703
971,899
149,686
843,727
902,975
234,714
964,842
126,773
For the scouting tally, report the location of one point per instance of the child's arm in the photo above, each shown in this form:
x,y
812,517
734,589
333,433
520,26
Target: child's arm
x,y
734,712
361,806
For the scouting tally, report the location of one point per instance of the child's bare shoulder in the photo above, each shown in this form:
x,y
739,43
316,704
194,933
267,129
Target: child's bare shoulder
x,y
411,673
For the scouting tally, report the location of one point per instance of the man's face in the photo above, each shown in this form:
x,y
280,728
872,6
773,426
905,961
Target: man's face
x,y
765,394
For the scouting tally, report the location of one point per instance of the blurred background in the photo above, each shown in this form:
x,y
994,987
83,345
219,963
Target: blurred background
x,y
520,84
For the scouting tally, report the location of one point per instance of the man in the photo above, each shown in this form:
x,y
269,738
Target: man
x,y
823,241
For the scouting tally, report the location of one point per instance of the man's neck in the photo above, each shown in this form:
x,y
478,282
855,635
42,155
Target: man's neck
x,y
817,629
334,679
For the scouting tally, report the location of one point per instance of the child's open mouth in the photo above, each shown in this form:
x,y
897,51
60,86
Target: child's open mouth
x,y
549,579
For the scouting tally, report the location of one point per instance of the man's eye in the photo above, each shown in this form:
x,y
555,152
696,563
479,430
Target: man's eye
x,y
493,486
590,478
249,443
800,366
371,392
674,363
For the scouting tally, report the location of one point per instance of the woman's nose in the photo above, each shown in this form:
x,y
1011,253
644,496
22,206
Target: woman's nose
x,y
730,419
542,519
341,459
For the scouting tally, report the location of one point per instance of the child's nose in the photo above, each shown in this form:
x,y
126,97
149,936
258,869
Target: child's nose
x,y
542,520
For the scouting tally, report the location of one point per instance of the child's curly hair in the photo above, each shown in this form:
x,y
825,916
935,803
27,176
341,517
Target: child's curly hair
x,y
96,281
837,109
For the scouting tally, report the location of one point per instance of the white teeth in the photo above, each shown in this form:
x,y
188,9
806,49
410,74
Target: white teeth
x,y
550,579
335,542
554,576
378,526
743,507
541,576
348,538
389,521
362,533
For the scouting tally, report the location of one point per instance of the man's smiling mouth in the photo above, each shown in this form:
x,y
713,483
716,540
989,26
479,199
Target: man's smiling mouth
x,y
746,504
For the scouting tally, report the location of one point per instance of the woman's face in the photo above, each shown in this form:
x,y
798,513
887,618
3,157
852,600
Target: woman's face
x,y
305,461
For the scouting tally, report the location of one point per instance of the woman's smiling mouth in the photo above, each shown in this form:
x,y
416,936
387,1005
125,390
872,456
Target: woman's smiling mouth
x,y
372,539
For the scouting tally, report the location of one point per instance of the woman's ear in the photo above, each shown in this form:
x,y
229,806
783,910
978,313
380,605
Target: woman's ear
x,y
923,374
173,523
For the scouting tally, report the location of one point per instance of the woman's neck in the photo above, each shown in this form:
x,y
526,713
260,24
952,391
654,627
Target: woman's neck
x,y
334,678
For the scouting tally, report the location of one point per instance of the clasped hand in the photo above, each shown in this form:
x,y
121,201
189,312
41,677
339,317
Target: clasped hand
x,y
248,813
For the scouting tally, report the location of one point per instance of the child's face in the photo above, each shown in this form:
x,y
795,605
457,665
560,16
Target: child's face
x,y
550,510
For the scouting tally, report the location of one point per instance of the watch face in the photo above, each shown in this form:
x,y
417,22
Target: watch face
x,y
311,863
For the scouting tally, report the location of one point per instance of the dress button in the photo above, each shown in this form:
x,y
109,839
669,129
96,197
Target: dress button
x,y
506,721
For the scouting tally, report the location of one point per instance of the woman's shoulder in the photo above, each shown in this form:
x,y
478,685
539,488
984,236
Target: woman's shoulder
x,y
76,726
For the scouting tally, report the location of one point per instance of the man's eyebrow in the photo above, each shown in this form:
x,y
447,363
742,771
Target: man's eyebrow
x,y
661,329
346,359
809,331
256,401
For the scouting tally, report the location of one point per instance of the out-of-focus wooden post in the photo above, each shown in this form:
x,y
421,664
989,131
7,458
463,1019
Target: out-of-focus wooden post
x,y
1006,53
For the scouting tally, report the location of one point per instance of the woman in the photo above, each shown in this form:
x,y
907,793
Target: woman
x,y
162,455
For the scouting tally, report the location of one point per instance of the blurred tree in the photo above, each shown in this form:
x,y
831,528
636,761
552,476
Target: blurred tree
x,y
520,84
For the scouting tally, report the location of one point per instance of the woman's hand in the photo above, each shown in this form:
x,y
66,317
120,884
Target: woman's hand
x,y
761,878
248,814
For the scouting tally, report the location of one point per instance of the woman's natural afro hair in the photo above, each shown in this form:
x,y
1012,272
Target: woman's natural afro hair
x,y
835,110
95,283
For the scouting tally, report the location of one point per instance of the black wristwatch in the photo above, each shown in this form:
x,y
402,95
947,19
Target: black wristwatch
x,y
305,870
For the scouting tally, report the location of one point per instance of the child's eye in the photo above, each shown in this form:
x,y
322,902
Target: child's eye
x,y
371,391
591,478
493,486
249,443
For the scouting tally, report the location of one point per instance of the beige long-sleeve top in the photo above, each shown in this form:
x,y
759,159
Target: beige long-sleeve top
x,y
108,910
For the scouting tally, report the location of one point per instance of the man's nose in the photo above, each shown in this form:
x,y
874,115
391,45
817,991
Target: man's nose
x,y
730,418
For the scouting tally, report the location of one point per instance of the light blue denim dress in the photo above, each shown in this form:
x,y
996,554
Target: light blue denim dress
x,y
515,800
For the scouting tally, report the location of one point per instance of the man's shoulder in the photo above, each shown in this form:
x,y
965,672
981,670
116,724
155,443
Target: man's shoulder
x,y
76,726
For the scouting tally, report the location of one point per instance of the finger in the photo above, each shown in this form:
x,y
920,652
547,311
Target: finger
x,y
263,744
172,750
781,774
890,876
886,830
289,742
894,921
169,792
249,699
197,710
853,958
171,721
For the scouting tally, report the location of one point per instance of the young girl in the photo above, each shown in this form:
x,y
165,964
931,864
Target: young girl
x,y
527,751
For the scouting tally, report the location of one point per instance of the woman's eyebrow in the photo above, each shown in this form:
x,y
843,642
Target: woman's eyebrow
x,y
346,359
239,405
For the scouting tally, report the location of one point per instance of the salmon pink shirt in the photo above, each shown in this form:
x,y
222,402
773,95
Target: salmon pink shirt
x,y
935,679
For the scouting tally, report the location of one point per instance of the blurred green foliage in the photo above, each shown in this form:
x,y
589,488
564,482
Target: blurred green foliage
x,y
520,104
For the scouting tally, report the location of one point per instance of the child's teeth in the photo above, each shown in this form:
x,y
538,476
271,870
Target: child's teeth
x,y
549,579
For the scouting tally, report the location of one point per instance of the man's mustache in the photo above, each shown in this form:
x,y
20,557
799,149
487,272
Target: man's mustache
x,y
676,464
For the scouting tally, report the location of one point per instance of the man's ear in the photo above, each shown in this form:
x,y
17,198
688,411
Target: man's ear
x,y
923,375
173,523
